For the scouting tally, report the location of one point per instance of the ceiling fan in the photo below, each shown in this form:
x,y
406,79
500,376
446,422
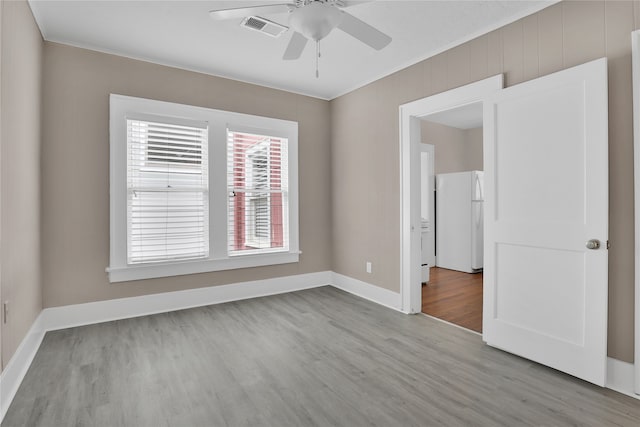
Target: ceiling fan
x,y
312,20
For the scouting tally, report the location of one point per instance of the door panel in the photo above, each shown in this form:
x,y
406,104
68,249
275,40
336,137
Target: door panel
x,y
546,195
522,299
523,149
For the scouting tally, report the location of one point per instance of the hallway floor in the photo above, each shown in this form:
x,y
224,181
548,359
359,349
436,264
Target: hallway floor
x,y
454,296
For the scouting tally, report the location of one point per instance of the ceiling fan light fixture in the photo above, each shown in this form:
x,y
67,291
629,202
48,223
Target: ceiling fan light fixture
x,y
315,20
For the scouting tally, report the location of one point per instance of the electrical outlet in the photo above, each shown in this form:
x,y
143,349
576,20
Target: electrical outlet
x,y
368,266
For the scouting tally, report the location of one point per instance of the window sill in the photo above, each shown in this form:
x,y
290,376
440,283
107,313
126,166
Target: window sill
x,y
179,268
256,251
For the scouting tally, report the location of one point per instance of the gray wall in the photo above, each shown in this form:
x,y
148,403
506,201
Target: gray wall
x,y
75,168
455,150
366,185
20,101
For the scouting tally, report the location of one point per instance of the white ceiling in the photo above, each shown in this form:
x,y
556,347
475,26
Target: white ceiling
x,y
464,117
181,34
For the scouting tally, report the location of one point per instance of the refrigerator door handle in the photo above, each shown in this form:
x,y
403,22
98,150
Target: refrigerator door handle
x,y
478,185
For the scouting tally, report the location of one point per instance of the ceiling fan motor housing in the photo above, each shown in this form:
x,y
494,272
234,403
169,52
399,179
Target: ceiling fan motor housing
x,y
315,20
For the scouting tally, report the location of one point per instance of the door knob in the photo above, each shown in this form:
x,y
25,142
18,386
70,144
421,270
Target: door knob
x,y
593,244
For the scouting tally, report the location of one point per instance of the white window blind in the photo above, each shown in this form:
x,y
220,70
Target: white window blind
x,y
167,191
257,184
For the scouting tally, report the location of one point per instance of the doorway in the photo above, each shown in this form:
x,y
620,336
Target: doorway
x,y
440,107
452,207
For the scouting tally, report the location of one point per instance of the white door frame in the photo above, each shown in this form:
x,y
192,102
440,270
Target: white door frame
x,y
635,42
431,150
410,115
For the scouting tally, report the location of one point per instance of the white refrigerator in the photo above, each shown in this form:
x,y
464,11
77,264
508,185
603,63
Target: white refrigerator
x,y
459,221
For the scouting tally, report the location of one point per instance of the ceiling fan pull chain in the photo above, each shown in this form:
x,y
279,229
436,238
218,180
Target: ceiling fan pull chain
x,y
317,58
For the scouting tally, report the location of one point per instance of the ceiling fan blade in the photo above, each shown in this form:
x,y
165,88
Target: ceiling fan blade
x,y
349,3
363,31
295,47
242,12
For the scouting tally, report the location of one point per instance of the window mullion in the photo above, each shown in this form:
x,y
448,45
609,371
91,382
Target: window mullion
x,y
218,188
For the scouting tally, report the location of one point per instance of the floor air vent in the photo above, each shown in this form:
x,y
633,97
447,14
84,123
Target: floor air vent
x,y
264,26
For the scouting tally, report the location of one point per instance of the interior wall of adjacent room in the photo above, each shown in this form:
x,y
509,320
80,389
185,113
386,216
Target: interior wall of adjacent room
x,y
455,149
473,142
20,102
365,138
75,168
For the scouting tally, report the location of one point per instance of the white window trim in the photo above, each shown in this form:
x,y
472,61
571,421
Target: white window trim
x,y
218,121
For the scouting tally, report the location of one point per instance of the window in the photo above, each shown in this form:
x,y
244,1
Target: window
x,y
195,190
258,187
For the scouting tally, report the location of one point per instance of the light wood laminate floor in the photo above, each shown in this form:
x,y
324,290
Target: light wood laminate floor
x,y
454,296
319,357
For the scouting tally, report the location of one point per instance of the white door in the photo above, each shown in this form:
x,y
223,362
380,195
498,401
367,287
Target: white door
x,y
546,196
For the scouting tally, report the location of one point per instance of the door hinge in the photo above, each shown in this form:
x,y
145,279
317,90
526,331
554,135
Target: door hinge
x,y
608,244
5,312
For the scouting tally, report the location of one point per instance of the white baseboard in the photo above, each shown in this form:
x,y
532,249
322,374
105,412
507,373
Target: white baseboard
x,y
18,365
103,311
620,376
367,291
123,308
